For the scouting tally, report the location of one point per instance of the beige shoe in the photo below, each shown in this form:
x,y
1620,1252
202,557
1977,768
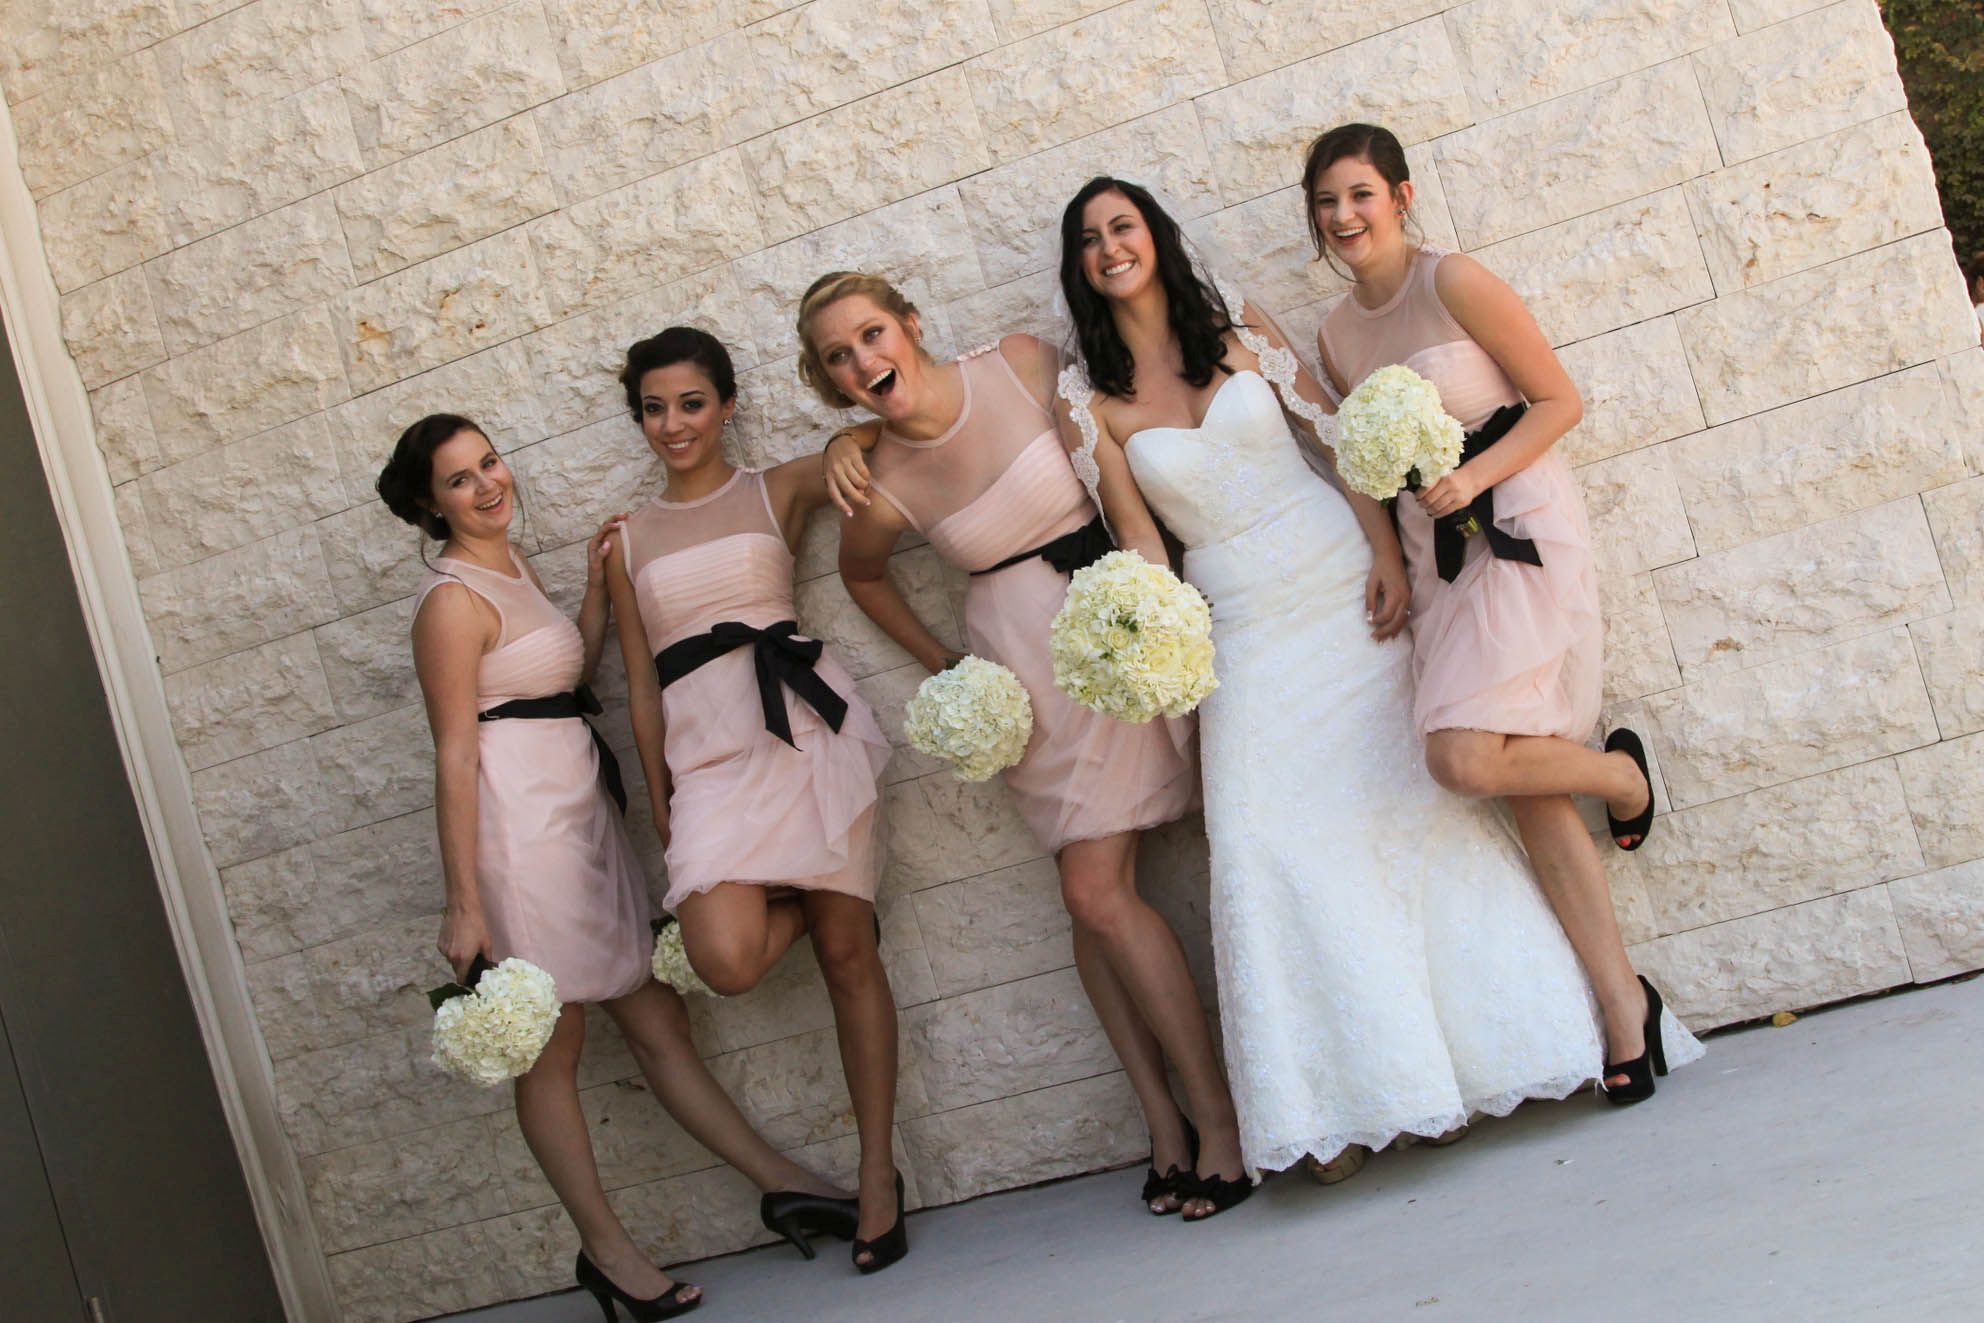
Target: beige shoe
x,y
1453,1136
1339,1168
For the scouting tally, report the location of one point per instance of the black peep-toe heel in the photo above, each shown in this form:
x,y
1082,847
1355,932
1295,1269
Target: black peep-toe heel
x,y
1166,1185
668,1304
795,1214
886,1248
1636,826
1639,1072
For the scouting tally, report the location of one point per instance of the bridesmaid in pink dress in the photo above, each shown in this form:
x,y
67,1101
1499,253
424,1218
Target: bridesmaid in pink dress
x,y
967,453
536,862
1506,633
761,759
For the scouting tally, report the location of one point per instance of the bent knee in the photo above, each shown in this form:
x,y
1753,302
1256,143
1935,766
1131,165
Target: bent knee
x,y
1098,904
1459,769
730,968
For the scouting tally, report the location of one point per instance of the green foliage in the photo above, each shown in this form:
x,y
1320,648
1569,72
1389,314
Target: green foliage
x,y
1940,45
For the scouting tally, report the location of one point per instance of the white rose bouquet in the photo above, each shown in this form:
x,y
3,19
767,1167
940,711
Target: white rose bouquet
x,y
974,715
670,961
493,1028
1133,640
1393,432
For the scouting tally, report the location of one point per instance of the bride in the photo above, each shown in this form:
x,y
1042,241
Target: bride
x,y
1386,963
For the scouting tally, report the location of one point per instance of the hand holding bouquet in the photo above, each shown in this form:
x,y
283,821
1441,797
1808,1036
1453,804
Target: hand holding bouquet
x,y
1393,432
1133,641
492,1028
974,715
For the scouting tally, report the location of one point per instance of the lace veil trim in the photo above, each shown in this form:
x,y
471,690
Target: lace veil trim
x,y
1278,365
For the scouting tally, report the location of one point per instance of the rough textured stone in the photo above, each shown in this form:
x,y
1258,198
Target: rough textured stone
x,y
111,328
441,310
368,660
253,700
1820,457
1256,36
124,430
372,1194
572,482
913,138
1753,14
485,70
371,556
243,167
652,118
1017,19
942,829
1047,1035
1518,55
242,277
266,590
1783,960
859,643
1636,391
1087,1125
262,803
41,44
90,122
1136,58
359,986
1951,650
1784,212
1639,659
792,1089
1026,305
424,1276
136,532
1611,143
384,874
1945,785
271,48
1624,264
1408,79
1800,590
1797,80
1635,510
1956,514
103,225
246,384
232,495
1792,718
633,1139
1005,925
378,768
600,38
887,693
1964,372
1941,916
389,25
265,899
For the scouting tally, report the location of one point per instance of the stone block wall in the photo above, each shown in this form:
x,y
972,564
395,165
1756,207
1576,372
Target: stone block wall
x,y
285,228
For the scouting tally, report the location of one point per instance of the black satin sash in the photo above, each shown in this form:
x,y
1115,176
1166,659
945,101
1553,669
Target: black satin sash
x,y
1068,552
579,703
1449,531
779,658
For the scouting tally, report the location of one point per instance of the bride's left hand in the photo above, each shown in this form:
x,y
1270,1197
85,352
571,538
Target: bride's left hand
x,y
1387,593
1451,494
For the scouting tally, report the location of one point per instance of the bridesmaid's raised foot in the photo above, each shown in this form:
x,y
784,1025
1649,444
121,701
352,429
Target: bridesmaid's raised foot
x,y
1630,813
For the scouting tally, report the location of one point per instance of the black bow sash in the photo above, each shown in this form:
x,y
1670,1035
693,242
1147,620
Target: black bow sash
x,y
579,703
1068,552
1449,532
778,656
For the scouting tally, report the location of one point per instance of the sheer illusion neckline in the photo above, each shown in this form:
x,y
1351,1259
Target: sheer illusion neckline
x,y
520,576
728,483
1398,295
964,415
1211,405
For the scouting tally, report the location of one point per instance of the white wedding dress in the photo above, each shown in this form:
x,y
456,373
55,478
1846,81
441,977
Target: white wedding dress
x,y
1386,962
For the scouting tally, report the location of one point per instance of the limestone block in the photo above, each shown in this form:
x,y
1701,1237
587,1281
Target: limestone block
x,y
1753,14
942,829
368,661
1015,209
792,1089
372,557
828,613
136,532
600,38
1783,212
487,69
1780,846
265,898
440,310
442,1272
378,768
1639,659
252,700
355,1093
653,232
1518,55
904,956
887,693
1945,785
1408,79
572,482
445,198
246,384
1941,916
124,430
1965,374
90,122
1956,514
385,874
1136,58
389,25
375,1193
1087,1125
1046,1035
1951,650
1818,458
271,48
1025,305
243,167
1828,327
913,138
266,590
633,1141
1256,36
1625,264
242,277
236,493
1796,717
1264,247
353,988
651,118
1813,75
1804,589
683,1218
536,1244
1782,960
40,45
779,418
103,225
1634,505
1016,19
1605,145
111,328
1636,391
1002,926
264,802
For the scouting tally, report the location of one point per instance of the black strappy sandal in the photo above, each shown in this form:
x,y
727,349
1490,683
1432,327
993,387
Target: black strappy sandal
x,y
1220,1192
1168,1185
1636,826
1639,1072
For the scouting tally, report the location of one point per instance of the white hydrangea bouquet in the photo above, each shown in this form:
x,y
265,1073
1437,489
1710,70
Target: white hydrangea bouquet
x,y
1393,432
974,715
1133,640
492,1028
670,961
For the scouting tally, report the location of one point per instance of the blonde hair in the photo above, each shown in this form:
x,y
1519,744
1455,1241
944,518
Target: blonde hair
x,y
830,289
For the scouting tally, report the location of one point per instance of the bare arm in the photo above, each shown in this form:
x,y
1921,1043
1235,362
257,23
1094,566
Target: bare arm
x,y
865,543
845,469
1122,500
644,711
451,631
593,607
797,488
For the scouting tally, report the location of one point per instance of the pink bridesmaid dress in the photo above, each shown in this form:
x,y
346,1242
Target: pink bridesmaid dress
x,y
997,484
559,881
748,805
1507,646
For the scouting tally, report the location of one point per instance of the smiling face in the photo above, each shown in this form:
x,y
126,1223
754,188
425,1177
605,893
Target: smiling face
x,y
1119,253
682,416
1359,214
471,486
871,357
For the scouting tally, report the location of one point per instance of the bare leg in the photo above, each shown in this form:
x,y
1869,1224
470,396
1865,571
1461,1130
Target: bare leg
x,y
554,1127
1139,947
656,1026
1483,765
733,934
843,930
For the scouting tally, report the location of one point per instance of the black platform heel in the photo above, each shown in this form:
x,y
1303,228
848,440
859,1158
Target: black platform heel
x,y
794,1214
1624,740
889,1246
1158,1186
1221,1192
1639,1072
668,1304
